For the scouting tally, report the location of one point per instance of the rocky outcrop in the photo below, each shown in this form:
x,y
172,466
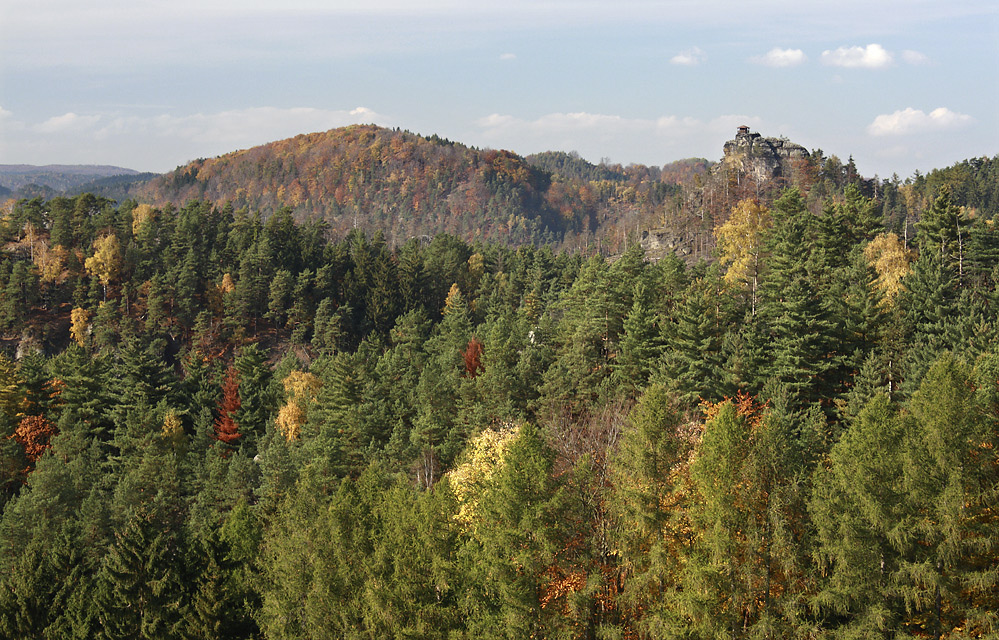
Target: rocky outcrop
x,y
751,162
660,242
765,157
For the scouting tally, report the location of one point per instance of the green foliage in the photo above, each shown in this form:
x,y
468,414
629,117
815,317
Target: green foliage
x,y
649,504
841,481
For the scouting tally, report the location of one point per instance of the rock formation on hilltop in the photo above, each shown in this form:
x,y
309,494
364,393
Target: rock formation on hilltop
x,y
752,166
763,157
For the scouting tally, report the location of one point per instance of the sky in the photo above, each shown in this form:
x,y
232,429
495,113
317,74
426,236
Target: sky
x,y
901,85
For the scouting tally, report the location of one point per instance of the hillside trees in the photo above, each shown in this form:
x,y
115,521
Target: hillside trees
x,y
900,528
664,461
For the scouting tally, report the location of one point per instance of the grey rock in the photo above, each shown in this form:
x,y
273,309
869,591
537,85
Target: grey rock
x,y
766,157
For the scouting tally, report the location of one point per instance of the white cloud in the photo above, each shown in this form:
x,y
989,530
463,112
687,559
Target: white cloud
x,y
126,140
689,57
66,123
778,57
912,121
914,57
242,127
508,56
873,56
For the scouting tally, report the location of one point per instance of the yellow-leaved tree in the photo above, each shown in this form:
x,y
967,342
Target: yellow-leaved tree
x,y
173,430
740,244
301,388
9,384
106,261
79,324
141,214
51,262
454,298
482,459
892,262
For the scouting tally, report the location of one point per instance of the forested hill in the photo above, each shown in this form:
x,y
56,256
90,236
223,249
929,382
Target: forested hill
x,y
408,185
213,426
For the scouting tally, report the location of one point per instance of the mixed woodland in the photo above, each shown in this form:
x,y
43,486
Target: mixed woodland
x,y
219,420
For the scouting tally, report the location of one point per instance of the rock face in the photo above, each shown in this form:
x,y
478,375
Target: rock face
x,y
766,157
749,156
658,243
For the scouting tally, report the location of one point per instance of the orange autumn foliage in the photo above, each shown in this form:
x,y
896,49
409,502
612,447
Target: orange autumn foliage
x,y
472,356
34,433
745,406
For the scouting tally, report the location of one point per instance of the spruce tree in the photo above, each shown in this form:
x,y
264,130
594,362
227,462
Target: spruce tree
x,y
693,360
139,592
641,344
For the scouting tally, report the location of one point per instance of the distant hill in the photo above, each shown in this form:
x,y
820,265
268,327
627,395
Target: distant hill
x,y
686,170
572,167
117,187
410,185
58,177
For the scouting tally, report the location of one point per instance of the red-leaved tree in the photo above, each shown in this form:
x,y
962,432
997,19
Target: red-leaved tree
x,y
226,428
473,358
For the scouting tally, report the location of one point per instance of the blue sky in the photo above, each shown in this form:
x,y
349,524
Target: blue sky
x,y
901,85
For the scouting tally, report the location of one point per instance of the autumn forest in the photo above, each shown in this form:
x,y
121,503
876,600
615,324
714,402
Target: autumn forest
x,y
369,384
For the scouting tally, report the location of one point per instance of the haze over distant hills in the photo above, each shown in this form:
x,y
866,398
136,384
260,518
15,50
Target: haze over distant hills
x,y
60,177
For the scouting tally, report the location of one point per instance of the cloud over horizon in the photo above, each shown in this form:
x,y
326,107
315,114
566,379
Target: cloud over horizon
x,y
914,57
598,135
913,121
187,136
67,122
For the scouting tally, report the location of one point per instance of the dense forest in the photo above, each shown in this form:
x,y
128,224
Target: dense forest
x,y
221,424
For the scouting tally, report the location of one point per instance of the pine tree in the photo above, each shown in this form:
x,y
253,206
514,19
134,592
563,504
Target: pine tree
x,y
795,318
932,322
257,393
943,232
512,558
280,297
224,594
381,301
436,429
82,402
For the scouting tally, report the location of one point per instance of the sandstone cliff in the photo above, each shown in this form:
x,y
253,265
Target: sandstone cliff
x,y
762,157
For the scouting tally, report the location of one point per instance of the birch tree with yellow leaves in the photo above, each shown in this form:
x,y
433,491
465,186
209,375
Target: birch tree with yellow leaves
x,y
106,261
741,241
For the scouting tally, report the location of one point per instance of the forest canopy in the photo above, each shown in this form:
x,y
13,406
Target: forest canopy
x,y
222,424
